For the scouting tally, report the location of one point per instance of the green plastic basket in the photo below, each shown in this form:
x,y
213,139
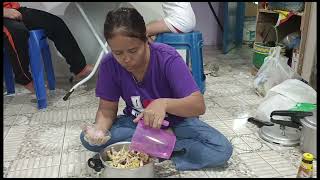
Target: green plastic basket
x,y
260,51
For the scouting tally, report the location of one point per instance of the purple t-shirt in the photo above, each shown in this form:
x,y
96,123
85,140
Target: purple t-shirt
x,y
167,76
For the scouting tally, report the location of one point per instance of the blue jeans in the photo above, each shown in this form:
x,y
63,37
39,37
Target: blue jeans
x,y
202,145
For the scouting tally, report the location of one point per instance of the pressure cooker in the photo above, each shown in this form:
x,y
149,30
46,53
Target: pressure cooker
x,y
297,128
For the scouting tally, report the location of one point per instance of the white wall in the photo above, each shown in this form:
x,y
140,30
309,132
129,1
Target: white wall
x,y
206,22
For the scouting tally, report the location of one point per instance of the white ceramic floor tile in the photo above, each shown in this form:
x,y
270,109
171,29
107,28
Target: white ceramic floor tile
x,y
242,148
57,103
10,110
258,165
29,108
81,101
72,137
6,165
227,102
214,80
35,163
8,99
222,113
48,172
193,174
251,99
42,140
226,174
5,131
49,117
278,162
9,120
22,99
74,164
12,142
82,114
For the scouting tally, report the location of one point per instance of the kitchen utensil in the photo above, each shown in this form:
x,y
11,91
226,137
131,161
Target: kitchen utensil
x,y
299,129
98,163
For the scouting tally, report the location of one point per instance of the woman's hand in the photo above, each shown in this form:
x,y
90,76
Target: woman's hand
x,y
154,114
96,134
12,14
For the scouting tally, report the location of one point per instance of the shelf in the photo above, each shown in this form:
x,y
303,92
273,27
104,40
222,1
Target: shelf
x,y
270,11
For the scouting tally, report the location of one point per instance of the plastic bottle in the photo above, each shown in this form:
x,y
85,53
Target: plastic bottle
x,y
306,166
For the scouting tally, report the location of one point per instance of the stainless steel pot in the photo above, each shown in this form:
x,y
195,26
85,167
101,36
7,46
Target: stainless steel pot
x,y
308,140
99,165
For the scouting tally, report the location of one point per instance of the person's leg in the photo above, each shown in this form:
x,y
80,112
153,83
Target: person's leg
x,y
15,41
122,130
202,145
60,34
156,27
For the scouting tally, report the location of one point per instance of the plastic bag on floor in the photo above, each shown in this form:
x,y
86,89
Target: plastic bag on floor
x,y
285,96
296,90
273,71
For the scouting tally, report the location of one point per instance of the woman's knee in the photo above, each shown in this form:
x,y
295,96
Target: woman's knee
x,y
222,156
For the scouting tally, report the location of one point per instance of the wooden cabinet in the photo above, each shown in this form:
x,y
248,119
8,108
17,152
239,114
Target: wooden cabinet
x,y
299,22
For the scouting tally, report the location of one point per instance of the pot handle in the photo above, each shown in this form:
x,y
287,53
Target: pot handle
x,y
298,114
95,163
259,123
295,116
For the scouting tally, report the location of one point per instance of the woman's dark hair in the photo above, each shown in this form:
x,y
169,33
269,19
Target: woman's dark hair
x,y
125,21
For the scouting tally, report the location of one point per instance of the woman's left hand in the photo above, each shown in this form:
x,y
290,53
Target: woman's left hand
x,y
154,114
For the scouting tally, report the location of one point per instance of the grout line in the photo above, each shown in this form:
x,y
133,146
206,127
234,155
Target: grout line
x,y
64,133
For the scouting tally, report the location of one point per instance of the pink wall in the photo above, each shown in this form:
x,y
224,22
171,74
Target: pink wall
x,y
206,22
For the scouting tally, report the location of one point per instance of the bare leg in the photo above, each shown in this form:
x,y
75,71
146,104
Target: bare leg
x,y
156,27
30,87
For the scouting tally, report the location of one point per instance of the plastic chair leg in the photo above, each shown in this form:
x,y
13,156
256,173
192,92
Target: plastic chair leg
x,y
46,56
37,70
8,75
195,64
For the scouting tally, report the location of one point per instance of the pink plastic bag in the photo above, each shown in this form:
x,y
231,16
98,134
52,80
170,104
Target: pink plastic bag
x,y
153,141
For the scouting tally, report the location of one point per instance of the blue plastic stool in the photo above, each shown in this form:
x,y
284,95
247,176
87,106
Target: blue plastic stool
x,y
193,43
38,49
8,74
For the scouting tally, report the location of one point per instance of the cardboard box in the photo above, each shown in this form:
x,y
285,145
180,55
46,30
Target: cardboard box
x,y
251,9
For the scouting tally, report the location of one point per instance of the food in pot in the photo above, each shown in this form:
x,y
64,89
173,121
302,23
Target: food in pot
x,y
127,158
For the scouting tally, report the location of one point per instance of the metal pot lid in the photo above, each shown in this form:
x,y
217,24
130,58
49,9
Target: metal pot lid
x,y
311,120
275,135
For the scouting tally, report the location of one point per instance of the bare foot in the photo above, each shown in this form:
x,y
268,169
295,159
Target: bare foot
x,y
85,71
30,87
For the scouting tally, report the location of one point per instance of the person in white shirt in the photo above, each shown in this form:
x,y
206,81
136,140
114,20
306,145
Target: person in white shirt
x,y
179,18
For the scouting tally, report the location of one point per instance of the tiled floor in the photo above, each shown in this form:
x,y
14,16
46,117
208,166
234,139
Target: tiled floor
x,y
46,143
